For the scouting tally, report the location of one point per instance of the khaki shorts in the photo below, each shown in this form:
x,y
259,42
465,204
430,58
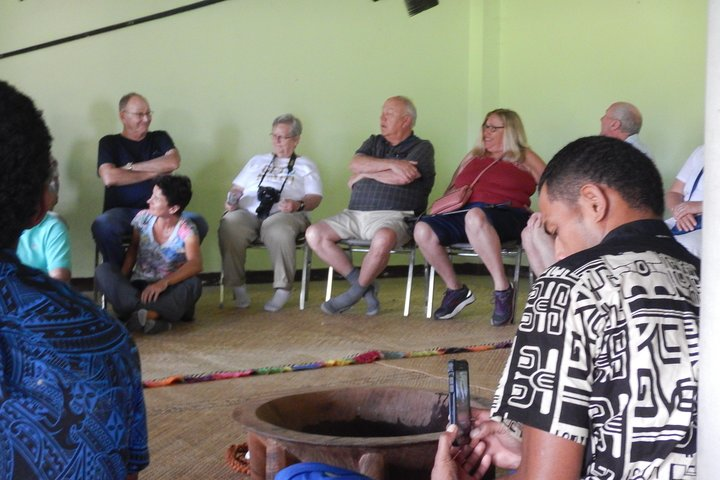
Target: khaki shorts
x,y
363,225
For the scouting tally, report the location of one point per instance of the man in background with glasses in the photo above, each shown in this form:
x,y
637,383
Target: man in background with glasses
x,y
392,175
127,164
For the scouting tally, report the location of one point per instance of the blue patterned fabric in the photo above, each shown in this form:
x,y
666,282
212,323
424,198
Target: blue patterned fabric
x,y
71,400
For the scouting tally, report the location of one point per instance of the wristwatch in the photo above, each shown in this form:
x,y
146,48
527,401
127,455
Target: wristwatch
x,y
301,207
128,166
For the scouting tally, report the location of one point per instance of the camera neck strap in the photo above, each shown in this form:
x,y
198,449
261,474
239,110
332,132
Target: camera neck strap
x,y
290,166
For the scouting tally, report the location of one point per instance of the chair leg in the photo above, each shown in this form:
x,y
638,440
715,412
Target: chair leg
x,y
222,290
304,283
408,290
426,273
518,265
328,288
516,277
430,291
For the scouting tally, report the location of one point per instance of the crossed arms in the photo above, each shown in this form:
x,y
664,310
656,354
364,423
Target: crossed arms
x,y
113,175
389,171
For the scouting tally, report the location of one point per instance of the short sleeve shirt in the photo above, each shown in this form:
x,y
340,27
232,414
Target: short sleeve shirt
x,y
46,246
269,171
690,172
606,355
119,151
369,194
154,260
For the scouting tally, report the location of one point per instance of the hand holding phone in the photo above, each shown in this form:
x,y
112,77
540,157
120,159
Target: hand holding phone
x,y
459,400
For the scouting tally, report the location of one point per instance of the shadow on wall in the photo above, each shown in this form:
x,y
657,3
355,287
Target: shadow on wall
x,y
81,190
212,169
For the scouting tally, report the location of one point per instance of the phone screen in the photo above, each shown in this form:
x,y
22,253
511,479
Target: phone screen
x,y
459,383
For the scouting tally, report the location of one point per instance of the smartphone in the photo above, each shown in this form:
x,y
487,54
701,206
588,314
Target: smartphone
x,y
459,400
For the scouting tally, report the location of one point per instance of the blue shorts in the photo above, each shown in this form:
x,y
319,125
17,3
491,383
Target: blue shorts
x,y
507,221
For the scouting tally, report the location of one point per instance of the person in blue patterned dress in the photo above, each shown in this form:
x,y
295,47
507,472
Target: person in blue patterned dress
x,y
71,399
158,283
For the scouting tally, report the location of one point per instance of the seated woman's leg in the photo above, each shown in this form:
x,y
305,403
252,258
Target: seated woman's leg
x,y
178,301
279,233
485,241
435,254
119,292
486,230
237,230
428,235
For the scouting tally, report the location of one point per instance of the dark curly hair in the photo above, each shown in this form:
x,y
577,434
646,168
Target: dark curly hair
x,y
605,161
24,162
177,189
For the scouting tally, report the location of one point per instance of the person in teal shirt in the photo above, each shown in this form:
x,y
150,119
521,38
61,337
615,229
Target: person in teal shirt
x,y
46,246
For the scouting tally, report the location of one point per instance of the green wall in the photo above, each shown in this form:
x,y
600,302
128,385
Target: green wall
x,y
216,77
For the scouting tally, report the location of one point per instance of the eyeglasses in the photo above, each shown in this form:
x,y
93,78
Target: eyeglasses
x,y
281,137
492,128
148,114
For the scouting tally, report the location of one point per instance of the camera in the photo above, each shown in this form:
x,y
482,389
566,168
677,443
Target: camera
x,y
268,197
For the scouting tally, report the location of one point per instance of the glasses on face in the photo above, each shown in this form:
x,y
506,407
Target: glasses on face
x,y
147,114
492,128
280,138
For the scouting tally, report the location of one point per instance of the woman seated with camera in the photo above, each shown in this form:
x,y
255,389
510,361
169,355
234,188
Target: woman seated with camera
x,y
503,172
269,200
158,283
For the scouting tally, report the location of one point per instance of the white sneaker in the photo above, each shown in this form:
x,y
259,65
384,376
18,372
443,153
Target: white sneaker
x,y
242,299
278,300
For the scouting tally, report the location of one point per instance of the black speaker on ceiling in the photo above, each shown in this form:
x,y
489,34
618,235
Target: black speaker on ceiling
x,y
416,6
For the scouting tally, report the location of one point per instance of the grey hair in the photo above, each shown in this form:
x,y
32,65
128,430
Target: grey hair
x,y
126,98
629,117
410,109
292,120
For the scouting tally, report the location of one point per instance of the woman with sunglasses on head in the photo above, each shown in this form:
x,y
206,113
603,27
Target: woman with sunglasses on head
x,y
503,172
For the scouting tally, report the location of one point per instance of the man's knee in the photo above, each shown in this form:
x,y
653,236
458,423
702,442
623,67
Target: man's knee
x,y
316,233
383,241
101,225
110,223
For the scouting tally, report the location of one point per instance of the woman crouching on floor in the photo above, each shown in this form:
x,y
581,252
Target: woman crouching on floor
x,y
158,283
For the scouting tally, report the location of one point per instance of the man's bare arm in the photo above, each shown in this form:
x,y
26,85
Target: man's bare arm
x,y
392,172
112,175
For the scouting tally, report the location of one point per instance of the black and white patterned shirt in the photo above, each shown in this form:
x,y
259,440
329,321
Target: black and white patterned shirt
x,y
368,194
606,355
